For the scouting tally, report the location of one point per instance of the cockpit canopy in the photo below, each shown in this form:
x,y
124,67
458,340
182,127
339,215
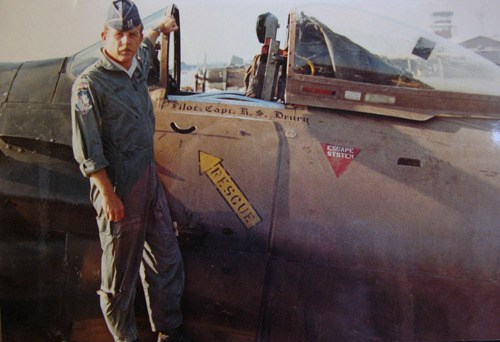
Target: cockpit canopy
x,y
357,46
352,57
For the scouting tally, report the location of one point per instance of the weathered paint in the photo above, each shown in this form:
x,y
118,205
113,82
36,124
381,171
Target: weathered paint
x,y
212,167
367,253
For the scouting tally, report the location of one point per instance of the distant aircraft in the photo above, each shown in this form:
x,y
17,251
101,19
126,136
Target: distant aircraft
x,y
352,194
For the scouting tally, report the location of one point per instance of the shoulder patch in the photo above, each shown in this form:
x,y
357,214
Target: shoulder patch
x,y
83,101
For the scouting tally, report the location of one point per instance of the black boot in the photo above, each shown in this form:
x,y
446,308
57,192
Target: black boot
x,y
173,335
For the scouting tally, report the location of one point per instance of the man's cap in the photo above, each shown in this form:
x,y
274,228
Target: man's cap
x,y
123,15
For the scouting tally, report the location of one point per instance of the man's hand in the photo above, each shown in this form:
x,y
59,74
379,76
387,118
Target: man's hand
x,y
166,25
113,207
111,203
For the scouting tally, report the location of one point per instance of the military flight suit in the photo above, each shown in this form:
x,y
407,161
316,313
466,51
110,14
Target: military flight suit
x,y
113,127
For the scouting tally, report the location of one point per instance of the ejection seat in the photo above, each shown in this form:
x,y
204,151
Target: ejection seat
x,y
265,78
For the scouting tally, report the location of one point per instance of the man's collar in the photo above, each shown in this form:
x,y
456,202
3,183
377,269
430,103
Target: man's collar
x,y
111,62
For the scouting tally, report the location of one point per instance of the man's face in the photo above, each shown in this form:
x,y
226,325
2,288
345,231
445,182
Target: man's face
x,y
122,46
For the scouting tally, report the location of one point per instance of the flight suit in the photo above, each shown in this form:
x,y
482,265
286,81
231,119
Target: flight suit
x,y
113,127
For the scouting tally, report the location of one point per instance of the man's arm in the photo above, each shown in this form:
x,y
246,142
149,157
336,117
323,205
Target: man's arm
x,y
111,203
87,147
166,25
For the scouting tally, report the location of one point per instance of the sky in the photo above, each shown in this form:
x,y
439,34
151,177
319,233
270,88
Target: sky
x,y
212,30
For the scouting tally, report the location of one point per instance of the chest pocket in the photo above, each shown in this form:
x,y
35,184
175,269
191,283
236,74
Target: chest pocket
x,y
127,120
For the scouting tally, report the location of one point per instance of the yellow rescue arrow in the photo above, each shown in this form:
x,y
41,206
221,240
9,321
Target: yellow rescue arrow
x,y
212,167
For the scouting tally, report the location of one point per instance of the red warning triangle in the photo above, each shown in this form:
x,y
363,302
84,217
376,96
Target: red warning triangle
x,y
340,156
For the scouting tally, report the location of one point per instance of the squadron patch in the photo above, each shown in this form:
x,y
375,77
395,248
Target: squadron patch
x,y
83,101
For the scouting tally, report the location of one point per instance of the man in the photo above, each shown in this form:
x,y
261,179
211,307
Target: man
x,y
113,128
